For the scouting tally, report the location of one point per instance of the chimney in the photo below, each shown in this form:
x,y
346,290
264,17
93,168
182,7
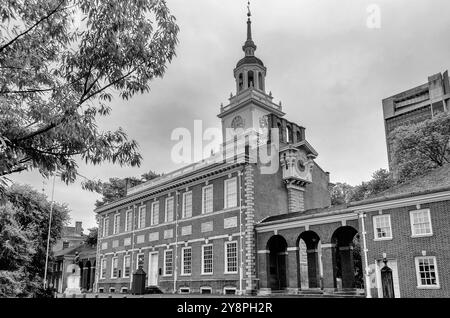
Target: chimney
x,y
78,228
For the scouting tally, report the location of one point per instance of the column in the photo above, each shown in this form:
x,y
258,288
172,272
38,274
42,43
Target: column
x,y
293,270
328,267
92,279
263,272
313,268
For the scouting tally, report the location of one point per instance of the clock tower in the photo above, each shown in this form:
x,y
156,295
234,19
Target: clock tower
x,y
248,109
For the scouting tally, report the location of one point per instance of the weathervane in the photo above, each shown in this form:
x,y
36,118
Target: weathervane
x,y
249,14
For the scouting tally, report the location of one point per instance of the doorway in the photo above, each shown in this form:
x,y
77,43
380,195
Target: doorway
x,y
153,269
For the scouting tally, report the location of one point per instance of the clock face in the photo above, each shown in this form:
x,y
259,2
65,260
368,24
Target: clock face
x,y
238,122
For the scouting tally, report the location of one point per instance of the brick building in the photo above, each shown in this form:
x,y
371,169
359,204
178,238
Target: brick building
x,y
192,230
415,105
240,223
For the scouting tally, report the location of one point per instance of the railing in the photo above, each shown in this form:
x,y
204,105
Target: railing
x,y
248,94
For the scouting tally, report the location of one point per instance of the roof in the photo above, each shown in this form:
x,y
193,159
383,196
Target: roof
x,y
250,60
316,212
433,181
83,251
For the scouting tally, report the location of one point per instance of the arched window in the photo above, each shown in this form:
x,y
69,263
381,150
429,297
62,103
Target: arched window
x,y
289,136
260,81
251,79
299,136
241,82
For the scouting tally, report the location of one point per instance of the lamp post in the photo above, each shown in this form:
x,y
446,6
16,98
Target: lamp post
x,y
48,234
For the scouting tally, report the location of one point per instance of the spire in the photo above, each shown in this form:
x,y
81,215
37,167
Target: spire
x,y
249,46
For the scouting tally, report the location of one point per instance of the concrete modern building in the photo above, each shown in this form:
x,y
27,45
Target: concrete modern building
x,y
415,105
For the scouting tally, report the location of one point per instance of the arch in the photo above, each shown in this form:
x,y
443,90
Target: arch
x,y
251,79
289,134
260,81
309,256
347,267
277,268
240,82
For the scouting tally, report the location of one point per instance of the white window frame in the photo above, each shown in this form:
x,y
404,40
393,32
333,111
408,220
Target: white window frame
x,y
229,288
226,257
186,290
124,266
137,260
419,280
182,261
112,290
124,290
204,197
225,196
103,269
112,267
165,263
154,220
166,218
375,233
184,216
116,227
106,226
212,259
411,218
206,288
128,226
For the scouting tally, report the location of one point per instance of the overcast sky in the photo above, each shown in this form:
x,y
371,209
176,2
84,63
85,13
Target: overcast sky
x,y
327,67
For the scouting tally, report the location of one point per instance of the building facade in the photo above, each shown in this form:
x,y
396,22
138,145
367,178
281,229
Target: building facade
x,y
416,105
193,230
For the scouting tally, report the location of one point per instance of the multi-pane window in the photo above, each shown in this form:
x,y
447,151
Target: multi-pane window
x,y
116,223
382,226
154,218
207,199
126,266
105,227
129,220
230,193
140,261
103,268
186,269
114,267
168,262
231,258
187,205
141,219
169,210
421,223
207,259
427,275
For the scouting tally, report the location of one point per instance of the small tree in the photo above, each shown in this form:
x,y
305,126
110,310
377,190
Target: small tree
x,y
91,238
421,147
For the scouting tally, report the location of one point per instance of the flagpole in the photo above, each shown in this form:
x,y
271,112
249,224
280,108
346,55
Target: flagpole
x,y
49,233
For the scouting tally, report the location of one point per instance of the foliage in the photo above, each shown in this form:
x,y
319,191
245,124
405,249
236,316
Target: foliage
x,y
91,238
61,62
24,220
419,148
382,180
116,188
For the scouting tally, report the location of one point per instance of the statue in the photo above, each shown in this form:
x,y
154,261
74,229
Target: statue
x,y
73,278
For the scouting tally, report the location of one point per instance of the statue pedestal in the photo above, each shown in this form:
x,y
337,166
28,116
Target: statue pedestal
x,y
73,281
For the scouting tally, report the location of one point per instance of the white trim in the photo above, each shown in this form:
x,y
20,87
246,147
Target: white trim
x,y
187,290
211,186
206,288
419,281
229,288
226,257
182,260
288,224
165,263
375,233
116,258
183,206
225,194
412,223
152,216
203,259
103,266
105,225
124,268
